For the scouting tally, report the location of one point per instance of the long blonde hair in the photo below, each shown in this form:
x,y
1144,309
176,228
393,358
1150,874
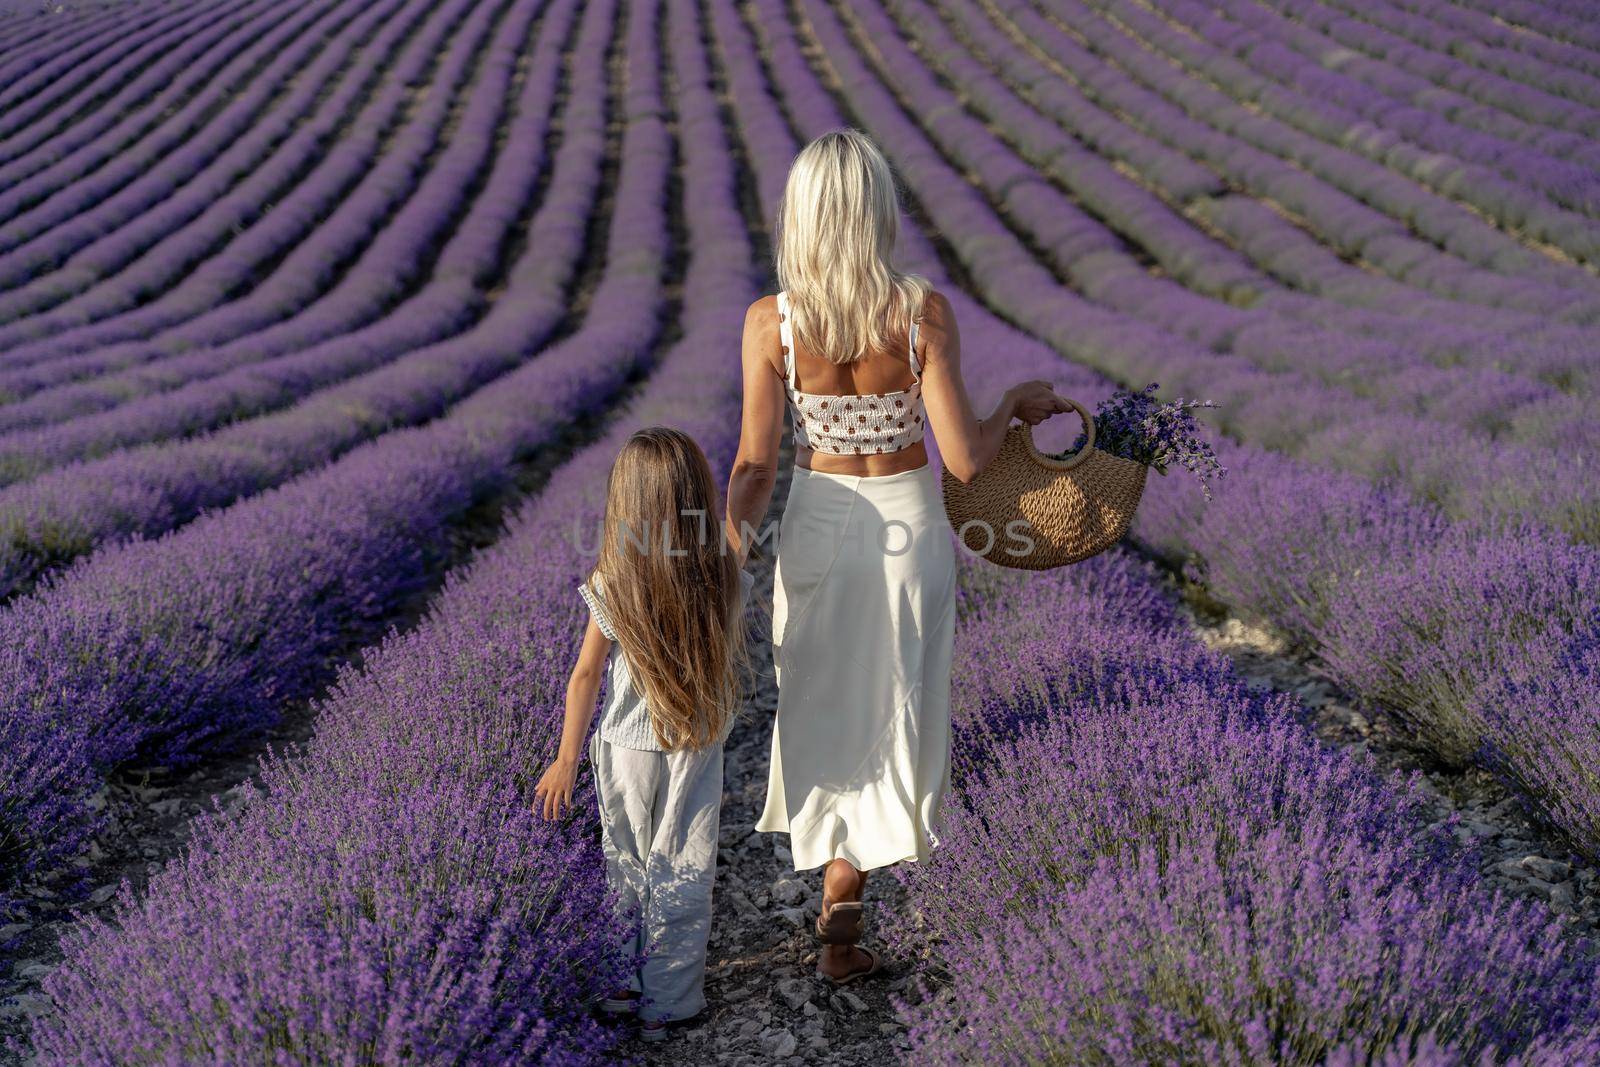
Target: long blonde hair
x,y
669,586
836,232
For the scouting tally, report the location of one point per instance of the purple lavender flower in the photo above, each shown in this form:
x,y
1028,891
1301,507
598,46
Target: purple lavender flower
x,y
1136,426
1542,732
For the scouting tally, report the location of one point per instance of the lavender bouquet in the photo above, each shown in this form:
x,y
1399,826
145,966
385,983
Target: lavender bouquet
x,y
1136,426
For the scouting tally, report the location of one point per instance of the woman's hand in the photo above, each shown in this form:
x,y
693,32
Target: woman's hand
x,y
555,787
1035,401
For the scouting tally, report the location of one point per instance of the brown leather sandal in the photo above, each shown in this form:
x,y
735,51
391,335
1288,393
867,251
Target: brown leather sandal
x,y
840,923
874,965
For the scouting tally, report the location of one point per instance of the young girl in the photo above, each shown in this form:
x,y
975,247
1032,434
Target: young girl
x,y
669,594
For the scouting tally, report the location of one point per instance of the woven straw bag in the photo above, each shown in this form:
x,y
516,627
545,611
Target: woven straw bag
x,y
1070,508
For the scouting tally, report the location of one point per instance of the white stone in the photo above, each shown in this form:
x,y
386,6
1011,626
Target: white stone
x,y
853,1002
1547,869
782,1044
27,1005
795,992
790,891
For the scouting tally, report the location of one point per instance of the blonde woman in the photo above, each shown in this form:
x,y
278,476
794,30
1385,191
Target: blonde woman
x,y
865,357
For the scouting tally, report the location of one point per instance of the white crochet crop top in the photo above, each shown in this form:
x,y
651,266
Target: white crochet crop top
x,y
851,425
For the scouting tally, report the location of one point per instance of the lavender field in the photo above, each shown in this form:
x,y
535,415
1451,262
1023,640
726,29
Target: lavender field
x,y
321,321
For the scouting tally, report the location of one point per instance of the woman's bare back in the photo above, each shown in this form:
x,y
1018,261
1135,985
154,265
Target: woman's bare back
x,y
878,372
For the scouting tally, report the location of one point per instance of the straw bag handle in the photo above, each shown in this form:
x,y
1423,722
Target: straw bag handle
x,y
1071,461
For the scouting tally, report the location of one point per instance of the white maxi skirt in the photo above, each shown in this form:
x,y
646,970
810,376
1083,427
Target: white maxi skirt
x,y
863,625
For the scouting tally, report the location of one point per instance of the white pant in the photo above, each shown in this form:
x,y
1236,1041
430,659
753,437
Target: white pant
x,y
659,815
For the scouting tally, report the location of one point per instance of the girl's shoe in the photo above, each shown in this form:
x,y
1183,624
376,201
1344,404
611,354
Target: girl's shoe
x,y
653,1031
874,965
840,923
620,1003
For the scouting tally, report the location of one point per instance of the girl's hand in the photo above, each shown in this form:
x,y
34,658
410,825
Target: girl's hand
x,y
1035,401
555,788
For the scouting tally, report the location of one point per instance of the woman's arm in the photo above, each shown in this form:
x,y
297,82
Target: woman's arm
x,y
966,442
555,786
755,468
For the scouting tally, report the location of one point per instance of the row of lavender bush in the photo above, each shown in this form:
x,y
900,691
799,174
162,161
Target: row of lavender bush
x,y
1471,641
1502,80
229,48
1564,24
67,512
312,207
1077,89
68,80
318,264
1467,50
1156,102
248,147
424,859
160,648
1281,410
1466,128
1453,374
1490,41
1135,39
39,40
180,271
1147,861
1340,563
410,237
1087,252
145,120
1245,55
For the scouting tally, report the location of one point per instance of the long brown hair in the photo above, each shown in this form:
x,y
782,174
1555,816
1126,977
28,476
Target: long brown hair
x,y
670,586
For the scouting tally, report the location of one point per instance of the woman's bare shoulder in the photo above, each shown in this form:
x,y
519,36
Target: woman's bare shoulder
x,y
763,311
936,327
936,309
761,340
